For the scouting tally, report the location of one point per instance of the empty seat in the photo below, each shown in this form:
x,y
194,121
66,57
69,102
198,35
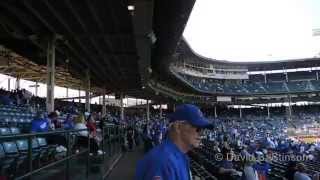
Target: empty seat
x,y
6,164
5,131
15,130
11,151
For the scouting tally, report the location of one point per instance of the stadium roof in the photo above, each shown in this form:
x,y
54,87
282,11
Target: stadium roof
x,y
120,46
185,50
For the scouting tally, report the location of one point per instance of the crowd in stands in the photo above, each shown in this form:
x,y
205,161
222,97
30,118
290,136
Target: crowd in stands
x,y
261,142
24,114
248,86
252,147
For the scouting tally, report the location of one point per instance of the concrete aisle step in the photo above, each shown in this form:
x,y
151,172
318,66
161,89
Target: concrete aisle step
x,y
125,169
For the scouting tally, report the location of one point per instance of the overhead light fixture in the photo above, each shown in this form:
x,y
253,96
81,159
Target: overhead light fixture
x,y
131,7
152,37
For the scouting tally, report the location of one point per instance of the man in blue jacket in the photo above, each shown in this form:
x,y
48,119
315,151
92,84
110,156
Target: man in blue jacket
x,y
168,161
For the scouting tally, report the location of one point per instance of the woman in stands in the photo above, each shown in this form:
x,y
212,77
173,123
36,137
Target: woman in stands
x,y
82,137
91,125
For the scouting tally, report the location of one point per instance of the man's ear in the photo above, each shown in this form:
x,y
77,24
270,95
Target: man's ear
x,y
176,127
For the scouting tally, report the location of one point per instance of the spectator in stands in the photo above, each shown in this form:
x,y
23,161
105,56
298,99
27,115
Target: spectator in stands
x,y
130,137
300,174
249,173
169,160
291,170
53,120
39,124
68,124
262,166
91,125
82,137
226,169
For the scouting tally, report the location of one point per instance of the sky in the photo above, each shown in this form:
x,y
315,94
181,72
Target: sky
x,y
254,30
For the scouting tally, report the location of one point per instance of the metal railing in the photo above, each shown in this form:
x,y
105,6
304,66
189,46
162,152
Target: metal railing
x,y
111,142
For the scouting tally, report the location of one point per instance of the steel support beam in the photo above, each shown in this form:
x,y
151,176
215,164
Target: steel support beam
x,y
160,111
50,74
104,108
215,112
8,84
148,111
36,89
79,91
121,107
88,98
142,24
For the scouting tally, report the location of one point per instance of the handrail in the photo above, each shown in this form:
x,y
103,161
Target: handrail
x,y
107,131
19,136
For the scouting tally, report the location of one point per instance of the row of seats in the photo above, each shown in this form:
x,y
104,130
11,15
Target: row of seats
x,y
279,167
14,154
248,87
200,172
205,156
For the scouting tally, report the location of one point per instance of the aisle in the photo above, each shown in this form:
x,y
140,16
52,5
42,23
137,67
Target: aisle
x,y
125,169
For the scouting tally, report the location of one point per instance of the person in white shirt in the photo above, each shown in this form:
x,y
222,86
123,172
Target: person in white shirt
x,y
82,136
249,173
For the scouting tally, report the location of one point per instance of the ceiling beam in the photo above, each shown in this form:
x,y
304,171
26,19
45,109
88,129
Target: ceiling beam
x,y
98,21
101,71
53,31
101,53
24,19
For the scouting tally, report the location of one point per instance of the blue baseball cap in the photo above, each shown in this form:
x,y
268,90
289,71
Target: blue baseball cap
x,y
190,113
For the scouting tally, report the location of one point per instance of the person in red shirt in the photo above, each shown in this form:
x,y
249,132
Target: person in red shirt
x,y
91,125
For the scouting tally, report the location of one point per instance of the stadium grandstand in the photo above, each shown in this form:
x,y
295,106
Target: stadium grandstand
x,y
87,88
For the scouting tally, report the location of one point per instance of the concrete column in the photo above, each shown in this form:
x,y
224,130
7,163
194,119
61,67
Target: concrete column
x,y
88,98
215,112
265,78
317,75
240,112
8,84
104,108
148,111
121,107
50,74
268,108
